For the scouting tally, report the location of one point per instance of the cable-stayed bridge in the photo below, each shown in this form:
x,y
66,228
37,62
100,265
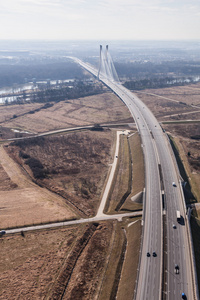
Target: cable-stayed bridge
x,y
156,279
106,66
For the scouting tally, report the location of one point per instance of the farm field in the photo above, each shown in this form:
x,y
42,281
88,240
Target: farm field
x,y
103,108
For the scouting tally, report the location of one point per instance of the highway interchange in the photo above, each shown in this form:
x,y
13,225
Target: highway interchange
x,y
156,276
154,281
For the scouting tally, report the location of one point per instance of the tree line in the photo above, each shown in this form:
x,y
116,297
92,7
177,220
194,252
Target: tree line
x,y
152,83
18,73
78,89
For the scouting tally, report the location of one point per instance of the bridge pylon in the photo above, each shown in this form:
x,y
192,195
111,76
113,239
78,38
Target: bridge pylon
x,y
106,66
100,61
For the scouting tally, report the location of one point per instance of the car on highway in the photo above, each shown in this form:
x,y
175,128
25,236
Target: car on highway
x,y
148,254
184,296
154,254
2,232
176,269
174,226
174,184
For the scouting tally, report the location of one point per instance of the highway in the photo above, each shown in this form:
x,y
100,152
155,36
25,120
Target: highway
x,y
157,152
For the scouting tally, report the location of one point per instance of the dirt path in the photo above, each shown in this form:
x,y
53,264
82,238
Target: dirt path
x,y
28,203
13,170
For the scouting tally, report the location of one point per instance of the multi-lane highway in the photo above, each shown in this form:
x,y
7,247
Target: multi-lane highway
x,y
158,162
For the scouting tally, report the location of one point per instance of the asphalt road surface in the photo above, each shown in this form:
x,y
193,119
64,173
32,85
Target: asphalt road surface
x,y
157,152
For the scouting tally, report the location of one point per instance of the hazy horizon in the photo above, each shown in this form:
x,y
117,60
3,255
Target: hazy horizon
x,y
100,20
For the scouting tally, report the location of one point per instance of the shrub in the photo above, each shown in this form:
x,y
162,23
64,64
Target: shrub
x,y
23,155
36,167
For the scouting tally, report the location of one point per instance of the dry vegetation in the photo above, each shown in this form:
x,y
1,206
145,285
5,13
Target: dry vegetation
x,y
6,183
189,135
129,270
22,202
93,261
173,103
69,263
104,108
74,165
50,258
83,262
129,177
30,264
134,200
85,281
189,152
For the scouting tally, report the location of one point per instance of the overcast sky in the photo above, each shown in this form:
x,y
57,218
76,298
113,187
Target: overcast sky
x,y
100,19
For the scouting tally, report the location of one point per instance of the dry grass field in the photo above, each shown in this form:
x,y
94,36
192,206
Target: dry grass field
x,y
30,264
189,151
62,177
80,262
22,202
134,201
129,270
73,165
173,103
103,108
68,263
129,178
8,111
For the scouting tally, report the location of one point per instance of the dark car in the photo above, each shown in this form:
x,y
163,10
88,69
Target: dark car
x,y
148,254
2,232
154,254
176,269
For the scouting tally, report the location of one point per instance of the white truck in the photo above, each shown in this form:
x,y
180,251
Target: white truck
x,y
178,216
